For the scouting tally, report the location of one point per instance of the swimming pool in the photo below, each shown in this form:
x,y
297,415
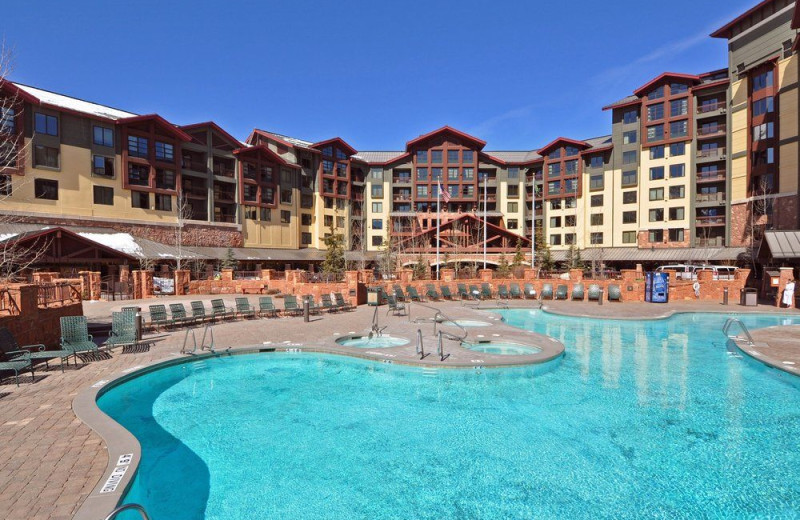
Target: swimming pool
x,y
373,342
642,418
502,348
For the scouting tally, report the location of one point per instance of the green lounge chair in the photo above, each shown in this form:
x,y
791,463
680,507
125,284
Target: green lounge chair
x,y
561,292
594,292
14,352
446,294
123,330
199,311
327,303
17,361
178,313
290,307
218,310
515,292
244,309
474,292
432,293
342,303
547,291
413,295
159,317
463,293
502,292
395,307
399,294
75,336
577,291
266,307
614,293
486,291
530,292
313,308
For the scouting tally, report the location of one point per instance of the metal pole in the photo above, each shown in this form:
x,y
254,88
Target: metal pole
x,y
485,230
438,223
306,310
138,324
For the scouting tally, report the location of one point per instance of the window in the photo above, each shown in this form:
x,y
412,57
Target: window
x,y
103,136
305,238
8,120
163,202
596,161
554,170
679,107
436,174
656,215
5,185
570,220
655,132
377,223
630,116
340,222
377,240
596,238
656,193
570,151
140,199
286,196
629,217
571,185
677,170
656,235
165,179
763,131
267,195
762,81
138,175
286,217
555,240
513,223
657,152
656,93
377,207
513,173
629,237
328,221
596,182
376,190
250,193
422,174
45,156
676,235
305,219
655,112
341,169
340,154
468,191
513,190
436,156
629,157
597,219
629,197
570,202
103,195
657,173
452,174
676,213
513,207
555,204
764,157
569,239
467,157
468,174
137,146
327,151
555,222
571,167
676,149
678,88
764,106
266,214
44,124
596,201
452,156
677,192
553,187
422,192
629,178
679,128
422,156
376,173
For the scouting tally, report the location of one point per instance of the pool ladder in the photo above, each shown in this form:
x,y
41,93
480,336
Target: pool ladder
x,y
126,507
733,321
439,346
376,330
208,331
437,319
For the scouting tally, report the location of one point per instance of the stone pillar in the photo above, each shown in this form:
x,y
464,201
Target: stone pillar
x,y
27,299
576,275
182,278
124,274
267,274
147,283
447,275
95,287
137,285
86,284
673,276
227,275
367,276
705,275
404,276
351,278
530,274
787,273
486,275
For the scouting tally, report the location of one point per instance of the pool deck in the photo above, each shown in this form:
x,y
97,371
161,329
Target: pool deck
x,y
50,461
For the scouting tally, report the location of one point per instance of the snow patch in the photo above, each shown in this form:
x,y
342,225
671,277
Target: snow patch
x,y
79,105
120,241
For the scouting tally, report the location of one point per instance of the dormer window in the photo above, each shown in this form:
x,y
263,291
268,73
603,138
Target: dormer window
x,y
657,93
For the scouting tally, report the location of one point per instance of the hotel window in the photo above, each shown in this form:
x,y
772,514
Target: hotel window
x,y
629,157
655,112
328,151
555,204
468,191
596,182
45,156
553,187
629,217
596,219
103,136
138,175
250,193
164,152
266,214
570,151
555,154
657,152
763,131
676,213
340,222
436,174
629,178
8,120
571,167
657,93
165,179
655,132
630,116
103,195
286,196
677,170
554,170
137,146
629,237
377,207
267,195
341,169
656,193
305,238
676,149
555,222
513,207
422,156
596,238
570,220
513,223
677,192
596,161
569,239
764,157
452,156
452,174
570,202
140,199
468,174
678,128
5,185
596,201
376,173
286,217
376,190
656,235
657,173
305,219
629,197
436,156
453,190
571,185
422,174
676,235
678,88
340,154
467,156
764,106
555,240
679,107
513,190
327,167
328,221
629,137
656,215
422,192
377,240
46,125
513,173
163,202
762,81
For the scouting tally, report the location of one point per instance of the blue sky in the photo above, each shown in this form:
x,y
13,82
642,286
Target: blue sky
x,y
514,73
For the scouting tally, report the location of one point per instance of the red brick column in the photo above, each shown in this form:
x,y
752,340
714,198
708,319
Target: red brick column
x,y
124,274
447,275
576,275
182,278
404,276
486,275
267,274
787,273
366,276
227,275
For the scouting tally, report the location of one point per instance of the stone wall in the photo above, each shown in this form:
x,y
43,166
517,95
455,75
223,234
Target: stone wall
x,y
33,324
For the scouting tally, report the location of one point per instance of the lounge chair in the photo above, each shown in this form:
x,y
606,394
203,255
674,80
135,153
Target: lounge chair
x,y
290,307
313,308
446,294
17,361
530,292
327,303
244,309
594,292
474,292
463,293
266,307
515,292
75,336
486,291
395,307
11,349
561,292
178,313
123,330
547,291
577,291
413,295
614,294
502,292
199,311
342,303
399,294
159,317
432,293
218,310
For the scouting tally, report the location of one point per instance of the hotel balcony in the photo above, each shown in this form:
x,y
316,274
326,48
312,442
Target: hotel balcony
x,y
707,132
194,162
715,154
710,199
709,221
717,176
193,189
224,167
401,180
711,110
710,241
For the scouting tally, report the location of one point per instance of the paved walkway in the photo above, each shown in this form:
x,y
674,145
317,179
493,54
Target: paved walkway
x,y
50,460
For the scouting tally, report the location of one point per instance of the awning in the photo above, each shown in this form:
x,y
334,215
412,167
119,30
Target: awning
x,y
691,255
781,244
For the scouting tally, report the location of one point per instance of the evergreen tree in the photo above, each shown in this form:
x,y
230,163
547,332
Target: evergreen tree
x,y
420,268
334,262
229,262
544,260
503,270
519,256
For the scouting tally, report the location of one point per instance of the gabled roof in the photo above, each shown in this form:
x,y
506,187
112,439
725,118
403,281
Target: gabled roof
x,y
661,77
42,97
266,150
228,137
725,30
624,102
444,130
381,158
160,121
290,142
495,230
512,157
107,246
558,140
782,245
340,141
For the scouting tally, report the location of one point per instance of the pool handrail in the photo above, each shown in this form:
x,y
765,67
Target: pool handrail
x,y
731,321
438,317
125,507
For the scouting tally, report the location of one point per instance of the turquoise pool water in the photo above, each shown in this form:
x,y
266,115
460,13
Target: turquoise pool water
x,y
502,348
641,419
373,342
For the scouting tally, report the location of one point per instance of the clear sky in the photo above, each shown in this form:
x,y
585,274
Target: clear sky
x,y
377,73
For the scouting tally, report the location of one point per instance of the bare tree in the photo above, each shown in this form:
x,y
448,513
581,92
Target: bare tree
x,y
183,212
760,212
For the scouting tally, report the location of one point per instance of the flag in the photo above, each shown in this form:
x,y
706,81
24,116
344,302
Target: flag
x,y
444,192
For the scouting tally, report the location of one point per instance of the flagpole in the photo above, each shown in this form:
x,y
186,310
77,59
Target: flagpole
x,y
485,231
533,224
438,223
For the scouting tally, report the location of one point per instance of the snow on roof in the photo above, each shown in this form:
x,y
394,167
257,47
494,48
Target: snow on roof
x,y
291,140
120,241
71,103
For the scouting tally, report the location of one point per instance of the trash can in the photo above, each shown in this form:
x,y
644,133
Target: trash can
x,y
375,296
749,297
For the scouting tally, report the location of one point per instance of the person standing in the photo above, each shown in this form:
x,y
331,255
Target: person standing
x,y
788,294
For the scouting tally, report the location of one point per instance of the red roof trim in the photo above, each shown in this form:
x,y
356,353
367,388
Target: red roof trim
x,y
174,130
478,142
558,140
711,84
264,133
23,237
339,140
623,105
597,150
641,90
272,155
725,30
216,127
16,91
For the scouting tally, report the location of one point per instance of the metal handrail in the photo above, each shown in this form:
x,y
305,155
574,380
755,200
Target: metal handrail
x,y
420,345
126,507
439,317
206,330
730,322
440,348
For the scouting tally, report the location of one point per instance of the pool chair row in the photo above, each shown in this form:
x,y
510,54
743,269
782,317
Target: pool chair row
x,y
579,292
463,292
